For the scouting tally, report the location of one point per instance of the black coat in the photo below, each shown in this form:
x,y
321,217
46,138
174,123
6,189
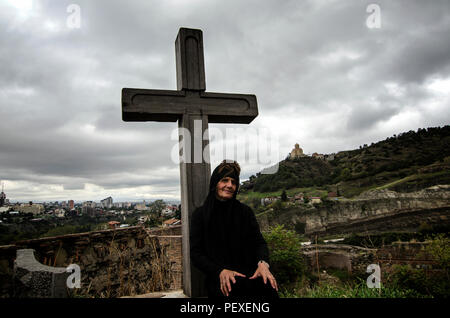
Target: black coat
x,y
226,235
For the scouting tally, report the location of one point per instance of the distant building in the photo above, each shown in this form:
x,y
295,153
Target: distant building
x,y
268,200
171,222
113,224
107,203
71,204
297,152
169,210
2,197
60,213
4,209
30,208
298,197
143,219
333,196
88,210
315,200
318,156
89,204
141,206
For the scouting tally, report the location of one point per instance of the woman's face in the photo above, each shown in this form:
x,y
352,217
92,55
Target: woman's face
x,y
225,188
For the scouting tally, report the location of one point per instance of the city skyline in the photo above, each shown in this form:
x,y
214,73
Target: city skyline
x,y
12,202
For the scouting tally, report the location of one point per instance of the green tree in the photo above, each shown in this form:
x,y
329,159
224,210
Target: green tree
x,y
286,260
157,207
178,212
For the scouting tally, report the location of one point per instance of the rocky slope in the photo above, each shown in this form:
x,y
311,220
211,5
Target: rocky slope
x,y
375,210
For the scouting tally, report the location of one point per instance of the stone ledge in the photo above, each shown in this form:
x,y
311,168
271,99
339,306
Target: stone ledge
x,y
77,235
169,294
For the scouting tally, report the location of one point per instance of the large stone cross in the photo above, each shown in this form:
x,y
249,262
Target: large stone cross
x,y
193,108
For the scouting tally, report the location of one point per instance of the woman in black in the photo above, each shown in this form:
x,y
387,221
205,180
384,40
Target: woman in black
x,y
226,242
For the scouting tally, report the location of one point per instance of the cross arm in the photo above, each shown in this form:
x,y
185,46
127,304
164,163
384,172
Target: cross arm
x,y
170,105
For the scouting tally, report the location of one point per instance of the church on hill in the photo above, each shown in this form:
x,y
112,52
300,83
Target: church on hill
x,y
297,152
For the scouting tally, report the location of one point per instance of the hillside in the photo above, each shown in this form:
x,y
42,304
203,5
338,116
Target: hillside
x,y
408,162
302,172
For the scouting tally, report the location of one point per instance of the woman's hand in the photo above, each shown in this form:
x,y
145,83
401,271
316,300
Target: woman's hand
x,y
225,277
263,271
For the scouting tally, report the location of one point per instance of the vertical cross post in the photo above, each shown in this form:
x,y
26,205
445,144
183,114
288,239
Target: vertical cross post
x,y
195,171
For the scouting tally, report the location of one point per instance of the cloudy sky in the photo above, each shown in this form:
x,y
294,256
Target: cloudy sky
x,y
329,75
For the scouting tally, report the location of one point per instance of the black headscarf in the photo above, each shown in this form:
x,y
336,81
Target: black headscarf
x,y
225,169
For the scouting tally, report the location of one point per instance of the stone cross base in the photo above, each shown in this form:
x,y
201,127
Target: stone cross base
x,y
36,280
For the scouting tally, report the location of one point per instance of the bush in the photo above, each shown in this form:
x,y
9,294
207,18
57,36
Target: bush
x,y
406,277
277,205
440,249
287,262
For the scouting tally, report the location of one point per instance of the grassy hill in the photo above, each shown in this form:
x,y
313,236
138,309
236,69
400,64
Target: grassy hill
x,y
302,172
404,163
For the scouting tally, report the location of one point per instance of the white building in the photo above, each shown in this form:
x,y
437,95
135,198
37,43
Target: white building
x,y
107,203
60,213
31,208
169,210
4,209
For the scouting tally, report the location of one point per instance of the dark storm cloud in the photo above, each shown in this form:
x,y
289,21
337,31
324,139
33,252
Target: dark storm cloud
x,y
311,61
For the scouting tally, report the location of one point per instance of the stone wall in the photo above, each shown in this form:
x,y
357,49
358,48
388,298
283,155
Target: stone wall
x,y
7,256
355,259
411,253
113,263
171,230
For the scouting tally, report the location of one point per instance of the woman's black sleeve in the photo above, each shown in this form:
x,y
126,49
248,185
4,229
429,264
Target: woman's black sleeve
x,y
197,248
262,251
